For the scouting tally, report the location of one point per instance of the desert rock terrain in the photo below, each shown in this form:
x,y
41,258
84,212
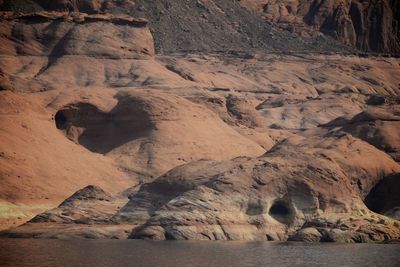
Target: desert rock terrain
x,y
367,25
114,124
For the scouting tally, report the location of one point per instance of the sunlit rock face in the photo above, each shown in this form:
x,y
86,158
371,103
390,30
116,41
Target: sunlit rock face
x,y
198,120
299,184
62,34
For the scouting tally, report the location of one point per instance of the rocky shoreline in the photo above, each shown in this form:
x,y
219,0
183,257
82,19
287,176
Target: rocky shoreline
x,y
111,128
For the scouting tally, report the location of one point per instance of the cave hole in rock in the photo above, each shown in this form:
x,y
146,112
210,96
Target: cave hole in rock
x,y
61,120
384,197
100,131
281,211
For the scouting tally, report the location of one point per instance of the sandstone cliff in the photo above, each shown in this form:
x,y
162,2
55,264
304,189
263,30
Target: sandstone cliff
x,y
367,25
205,26
239,145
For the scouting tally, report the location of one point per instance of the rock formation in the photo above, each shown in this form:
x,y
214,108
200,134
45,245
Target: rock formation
x,y
278,137
377,126
367,25
288,193
209,26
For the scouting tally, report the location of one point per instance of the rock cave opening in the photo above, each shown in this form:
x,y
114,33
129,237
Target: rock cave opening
x,y
281,212
61,120
100,131
384,197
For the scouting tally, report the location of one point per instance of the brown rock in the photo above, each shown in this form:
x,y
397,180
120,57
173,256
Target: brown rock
x,y
250,199
306,235
379,127
110,36
367,25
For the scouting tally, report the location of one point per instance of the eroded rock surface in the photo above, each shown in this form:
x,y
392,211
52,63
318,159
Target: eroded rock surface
x,y
290,193
155,131
203,26
272,197
240,145
367,25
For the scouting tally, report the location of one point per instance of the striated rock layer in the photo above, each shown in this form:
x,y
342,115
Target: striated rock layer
x,y
367,25
304,189
202,26
215,25
245,145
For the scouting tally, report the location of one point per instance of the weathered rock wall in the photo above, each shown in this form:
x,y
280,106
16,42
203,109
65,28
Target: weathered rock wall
x,y
367,25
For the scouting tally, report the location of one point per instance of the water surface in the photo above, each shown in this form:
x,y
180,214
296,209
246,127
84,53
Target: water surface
x,y
35,252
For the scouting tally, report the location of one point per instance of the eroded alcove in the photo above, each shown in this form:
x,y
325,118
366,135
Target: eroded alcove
x,y
282,211
101,131
385,195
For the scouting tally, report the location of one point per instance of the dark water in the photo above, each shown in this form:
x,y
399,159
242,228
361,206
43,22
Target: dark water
x,y
31,252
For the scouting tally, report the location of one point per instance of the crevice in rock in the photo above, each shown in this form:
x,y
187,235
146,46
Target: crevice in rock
x,y
184,74
356,18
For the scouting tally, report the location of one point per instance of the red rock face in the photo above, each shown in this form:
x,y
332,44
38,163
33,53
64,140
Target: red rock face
x,y
286,145
367,25
71,5
87,6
